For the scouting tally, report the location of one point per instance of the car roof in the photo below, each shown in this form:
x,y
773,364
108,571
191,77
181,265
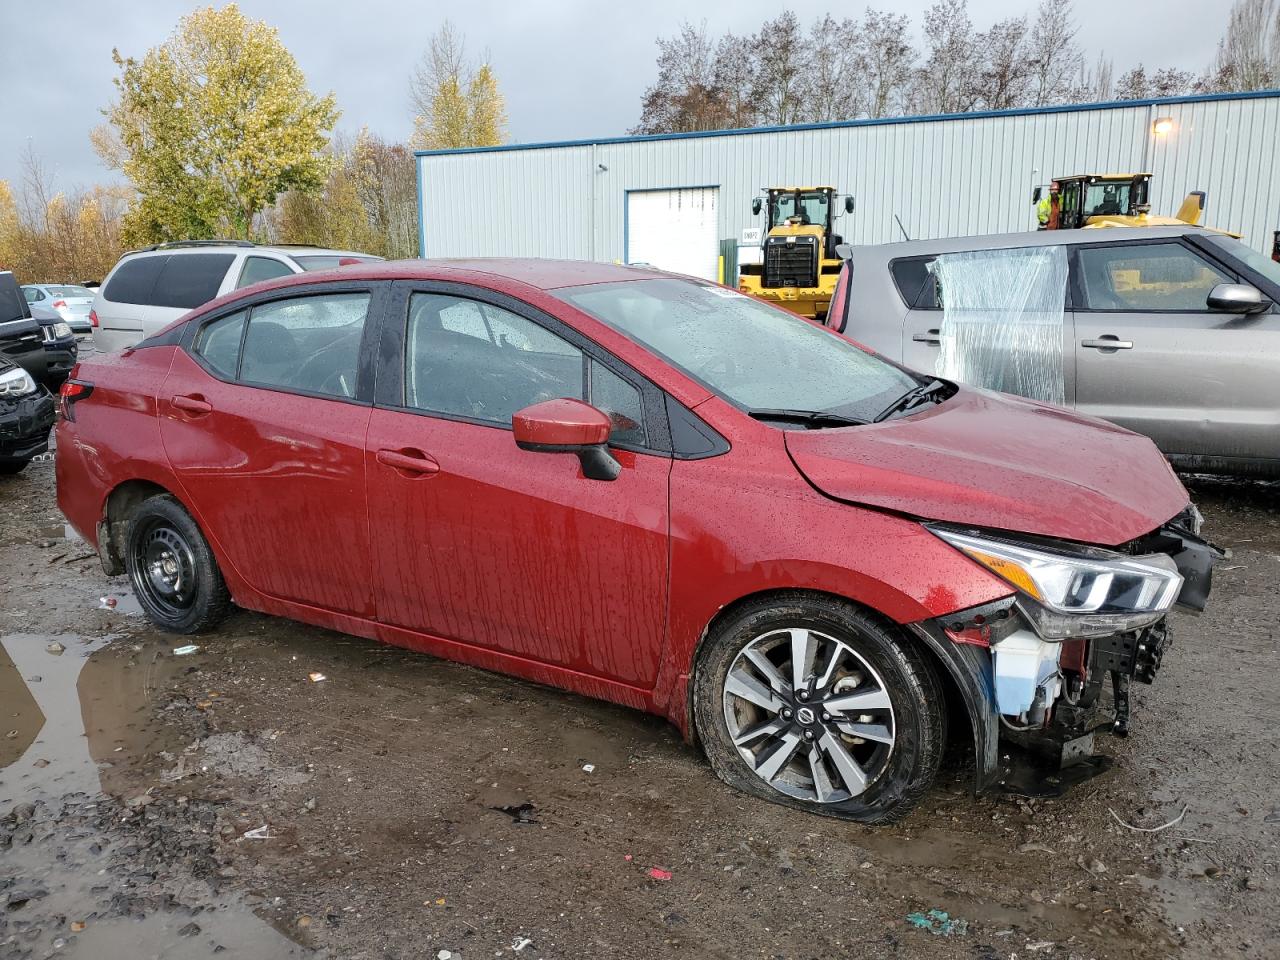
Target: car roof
x,y
532,272
1033,238
287,249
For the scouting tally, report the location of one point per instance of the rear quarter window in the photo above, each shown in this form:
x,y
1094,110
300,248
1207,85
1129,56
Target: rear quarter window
x,y
915,283
133,280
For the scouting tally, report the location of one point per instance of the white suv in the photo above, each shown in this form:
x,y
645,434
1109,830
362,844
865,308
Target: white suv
x,y
150,288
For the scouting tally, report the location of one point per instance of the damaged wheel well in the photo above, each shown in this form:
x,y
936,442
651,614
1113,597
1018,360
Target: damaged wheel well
x,y
956,711
111,529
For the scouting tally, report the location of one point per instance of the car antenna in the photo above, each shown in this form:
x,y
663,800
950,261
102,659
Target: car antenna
x,y
902,228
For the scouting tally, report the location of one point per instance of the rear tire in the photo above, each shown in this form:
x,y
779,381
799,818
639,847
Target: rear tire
x,y
173,572
9,467
859,738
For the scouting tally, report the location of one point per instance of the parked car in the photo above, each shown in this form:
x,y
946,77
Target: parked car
x,y
1172,332
645,488
68,302
26,417
150,288
46,349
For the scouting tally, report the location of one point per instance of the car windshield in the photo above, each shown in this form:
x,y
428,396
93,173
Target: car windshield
x,y
811,208
1249,257
331,260
751,354
69,291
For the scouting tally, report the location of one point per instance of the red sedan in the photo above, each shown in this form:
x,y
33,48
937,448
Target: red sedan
x,y
644,488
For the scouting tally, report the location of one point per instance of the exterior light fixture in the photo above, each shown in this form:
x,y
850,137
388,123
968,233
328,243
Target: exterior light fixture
x,y
1162,125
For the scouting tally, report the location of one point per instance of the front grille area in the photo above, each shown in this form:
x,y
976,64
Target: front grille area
x,y
791,264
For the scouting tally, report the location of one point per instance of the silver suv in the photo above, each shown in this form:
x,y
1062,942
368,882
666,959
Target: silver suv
x,y
150,288
1172,332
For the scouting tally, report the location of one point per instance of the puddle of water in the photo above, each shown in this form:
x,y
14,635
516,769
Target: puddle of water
x,y
83,724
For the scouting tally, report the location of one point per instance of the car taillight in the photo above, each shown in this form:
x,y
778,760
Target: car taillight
x,y
69,394
93,318
349,261
59,304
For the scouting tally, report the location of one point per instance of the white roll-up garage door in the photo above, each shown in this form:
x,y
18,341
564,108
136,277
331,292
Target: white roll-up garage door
x,y
675,230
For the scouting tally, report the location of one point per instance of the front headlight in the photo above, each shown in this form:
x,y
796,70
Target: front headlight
x,y
61,331
1076,591
16,383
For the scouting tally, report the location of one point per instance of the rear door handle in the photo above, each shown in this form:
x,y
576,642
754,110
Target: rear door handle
x,y
193,405
931,337
1108,342
416,462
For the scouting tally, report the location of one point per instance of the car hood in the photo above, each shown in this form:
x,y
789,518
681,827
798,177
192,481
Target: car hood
x,y
992,460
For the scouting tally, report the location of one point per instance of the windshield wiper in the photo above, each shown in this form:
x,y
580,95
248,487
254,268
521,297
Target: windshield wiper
x,y
913,397
813,419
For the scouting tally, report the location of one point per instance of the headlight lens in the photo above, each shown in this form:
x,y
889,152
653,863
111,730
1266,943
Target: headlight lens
x,y
61,330
16,383
1076,592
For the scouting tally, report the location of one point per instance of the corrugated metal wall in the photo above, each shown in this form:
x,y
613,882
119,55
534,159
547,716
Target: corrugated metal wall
x,y
942,177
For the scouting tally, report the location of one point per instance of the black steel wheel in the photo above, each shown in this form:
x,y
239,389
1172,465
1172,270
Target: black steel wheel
x,y
173,572
813,702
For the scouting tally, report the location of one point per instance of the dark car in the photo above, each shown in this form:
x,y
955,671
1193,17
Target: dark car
x,y
26,417
646,488
46,349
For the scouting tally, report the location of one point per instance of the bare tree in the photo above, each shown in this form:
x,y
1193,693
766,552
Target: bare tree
x,y
887,57
1005,76
834,60
782,73
1248,55
1058,59
1093,84
1137,84
948,80
685,96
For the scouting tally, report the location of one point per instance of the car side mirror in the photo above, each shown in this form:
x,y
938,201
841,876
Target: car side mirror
x,y
1237,298
568,426
755,206
844,251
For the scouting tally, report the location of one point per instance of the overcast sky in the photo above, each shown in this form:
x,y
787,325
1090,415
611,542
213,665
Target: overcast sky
x,y
568,68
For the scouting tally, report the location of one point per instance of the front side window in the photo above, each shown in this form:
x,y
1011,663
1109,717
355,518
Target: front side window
x,y
754,355
309,344
475,360
1249,257
1147,277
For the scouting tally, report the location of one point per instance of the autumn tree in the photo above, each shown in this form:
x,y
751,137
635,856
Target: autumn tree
x,y
456,103
211,126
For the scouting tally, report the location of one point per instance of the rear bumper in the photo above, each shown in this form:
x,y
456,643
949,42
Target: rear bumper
x,y
24,427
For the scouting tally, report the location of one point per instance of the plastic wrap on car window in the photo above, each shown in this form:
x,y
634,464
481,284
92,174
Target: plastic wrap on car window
x,y
1002,319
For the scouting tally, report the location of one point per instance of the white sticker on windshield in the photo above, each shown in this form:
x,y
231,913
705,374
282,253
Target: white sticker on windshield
x,y
722,292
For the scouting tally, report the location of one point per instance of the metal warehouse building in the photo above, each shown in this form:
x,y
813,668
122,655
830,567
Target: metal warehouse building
x,y
670,200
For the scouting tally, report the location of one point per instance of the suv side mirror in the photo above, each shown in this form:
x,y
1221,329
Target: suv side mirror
x,y
568,426
1237,298
755,206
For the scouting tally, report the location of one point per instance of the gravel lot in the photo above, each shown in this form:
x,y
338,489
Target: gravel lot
x,y
413,806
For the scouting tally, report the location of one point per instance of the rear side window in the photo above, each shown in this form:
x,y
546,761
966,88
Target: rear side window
x,y
190,279
134,280
257,269
310,344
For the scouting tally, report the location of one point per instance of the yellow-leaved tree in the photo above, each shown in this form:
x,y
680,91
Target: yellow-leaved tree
x,y
211,126
457,104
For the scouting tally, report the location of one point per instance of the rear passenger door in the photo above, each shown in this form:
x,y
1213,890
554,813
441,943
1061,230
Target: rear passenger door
x,y
263,417
1151,355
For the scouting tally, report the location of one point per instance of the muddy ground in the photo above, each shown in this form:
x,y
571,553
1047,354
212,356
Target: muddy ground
x,y
223,803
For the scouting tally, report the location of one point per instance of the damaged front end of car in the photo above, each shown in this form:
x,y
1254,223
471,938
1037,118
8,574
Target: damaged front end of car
x,y
1035,667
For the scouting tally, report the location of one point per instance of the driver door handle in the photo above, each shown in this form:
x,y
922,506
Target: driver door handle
x,y
196,405
1108,342
929,337
416,462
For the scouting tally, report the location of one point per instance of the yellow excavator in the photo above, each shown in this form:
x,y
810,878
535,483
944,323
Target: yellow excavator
x,y
1095,200
798,265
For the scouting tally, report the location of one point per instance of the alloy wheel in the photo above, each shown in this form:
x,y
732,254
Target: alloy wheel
x,y
808,714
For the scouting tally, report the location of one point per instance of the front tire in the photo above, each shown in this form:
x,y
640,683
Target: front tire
x,y
8,468
173,572
812,702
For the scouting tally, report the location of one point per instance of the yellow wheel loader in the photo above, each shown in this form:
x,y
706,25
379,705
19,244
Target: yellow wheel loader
x,y
798,264
1096,200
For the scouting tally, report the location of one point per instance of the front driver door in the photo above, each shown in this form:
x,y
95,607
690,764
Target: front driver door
x,y
478,542
1152,357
